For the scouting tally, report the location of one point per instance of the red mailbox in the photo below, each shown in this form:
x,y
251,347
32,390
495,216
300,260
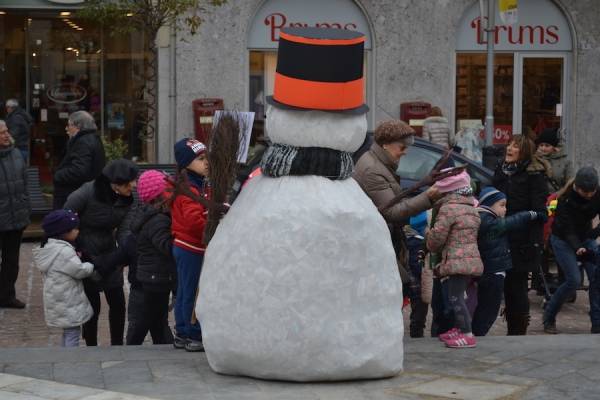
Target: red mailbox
x,y
204,110
413,113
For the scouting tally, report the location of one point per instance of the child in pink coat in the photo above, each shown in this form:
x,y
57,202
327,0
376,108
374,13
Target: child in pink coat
x,y
454,235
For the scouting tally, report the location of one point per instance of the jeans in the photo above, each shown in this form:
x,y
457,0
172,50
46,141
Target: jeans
x,y
10,245
489,297
567,261
189,265
116,314
70,337
443,316
457,286
148,312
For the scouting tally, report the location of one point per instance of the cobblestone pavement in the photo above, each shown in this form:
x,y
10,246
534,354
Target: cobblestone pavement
x,y
26,328
547,367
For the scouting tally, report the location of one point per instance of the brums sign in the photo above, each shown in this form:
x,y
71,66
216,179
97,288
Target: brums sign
x,y
276,14
541,26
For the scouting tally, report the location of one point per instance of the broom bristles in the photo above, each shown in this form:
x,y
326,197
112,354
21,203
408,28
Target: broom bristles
x,y
225,141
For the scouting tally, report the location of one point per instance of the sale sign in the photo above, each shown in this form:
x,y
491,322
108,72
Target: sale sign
x,y
502,134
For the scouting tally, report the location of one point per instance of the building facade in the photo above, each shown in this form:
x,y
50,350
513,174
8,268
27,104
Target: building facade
x,y
429,51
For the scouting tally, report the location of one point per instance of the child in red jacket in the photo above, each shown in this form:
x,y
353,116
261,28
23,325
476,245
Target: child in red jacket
x,y
188,222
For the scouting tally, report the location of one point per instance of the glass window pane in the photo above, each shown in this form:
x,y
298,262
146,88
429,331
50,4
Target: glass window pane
x,y
542,83
471,88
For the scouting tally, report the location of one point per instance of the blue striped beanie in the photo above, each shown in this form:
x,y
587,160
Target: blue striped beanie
x,y
490,195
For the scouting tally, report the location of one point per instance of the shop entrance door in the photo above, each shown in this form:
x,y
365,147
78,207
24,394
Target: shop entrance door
x,y
540,87
64,61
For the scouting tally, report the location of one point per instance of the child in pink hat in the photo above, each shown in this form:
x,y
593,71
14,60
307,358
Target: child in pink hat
x,y
155,271
454,235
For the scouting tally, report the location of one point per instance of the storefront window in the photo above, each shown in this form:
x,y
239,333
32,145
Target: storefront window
x,y
54,64
124,105
471,88
542,93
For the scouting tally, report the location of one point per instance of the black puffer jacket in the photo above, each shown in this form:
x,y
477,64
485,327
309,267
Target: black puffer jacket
x,y
573,218
83,162
156,269
492,239
19,123
526,190
101,213
14,198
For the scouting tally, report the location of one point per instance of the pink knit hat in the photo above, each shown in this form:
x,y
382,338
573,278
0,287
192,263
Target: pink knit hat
x,y
150,185
453,183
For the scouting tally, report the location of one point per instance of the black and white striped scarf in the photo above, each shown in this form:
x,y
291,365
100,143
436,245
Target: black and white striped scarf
x,y
282,160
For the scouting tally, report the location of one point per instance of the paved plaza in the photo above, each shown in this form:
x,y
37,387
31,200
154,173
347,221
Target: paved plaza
x,y
543,367
33,367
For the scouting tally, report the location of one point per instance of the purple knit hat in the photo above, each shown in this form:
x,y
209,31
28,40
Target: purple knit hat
x,y
452,183
150,185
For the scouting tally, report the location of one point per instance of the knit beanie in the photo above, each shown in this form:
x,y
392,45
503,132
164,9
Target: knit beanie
x,y
150,185
490,196
58,222
548,135
120,171
186,150
586,179
452,183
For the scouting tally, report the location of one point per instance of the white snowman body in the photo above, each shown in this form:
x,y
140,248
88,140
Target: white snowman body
x,y
300,280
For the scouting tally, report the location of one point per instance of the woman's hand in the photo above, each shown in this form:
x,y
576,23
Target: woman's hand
x,y
581,251
433,194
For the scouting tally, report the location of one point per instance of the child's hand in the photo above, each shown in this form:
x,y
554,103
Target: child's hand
x,y
581,251
541,216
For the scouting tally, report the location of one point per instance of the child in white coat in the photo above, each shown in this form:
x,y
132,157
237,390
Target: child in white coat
x,y
65,303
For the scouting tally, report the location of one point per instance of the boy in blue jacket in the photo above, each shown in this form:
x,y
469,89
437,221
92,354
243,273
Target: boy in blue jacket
x,y
494,249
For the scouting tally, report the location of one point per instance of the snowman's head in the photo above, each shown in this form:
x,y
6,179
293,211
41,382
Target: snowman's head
x,y
338,131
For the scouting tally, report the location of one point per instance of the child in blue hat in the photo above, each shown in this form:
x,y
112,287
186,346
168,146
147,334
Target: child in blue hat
x,y
495,253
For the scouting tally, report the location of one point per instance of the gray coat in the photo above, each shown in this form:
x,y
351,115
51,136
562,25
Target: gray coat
x,y
65,302
14,198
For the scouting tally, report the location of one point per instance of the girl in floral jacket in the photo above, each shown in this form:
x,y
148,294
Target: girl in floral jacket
x,y
454,235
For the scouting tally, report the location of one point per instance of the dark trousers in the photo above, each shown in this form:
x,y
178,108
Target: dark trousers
x,y
515,292
115,297
418,309
148,312
10,245
442,314
489,297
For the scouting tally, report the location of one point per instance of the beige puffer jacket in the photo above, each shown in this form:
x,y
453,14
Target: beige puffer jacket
x,y
437,131
65,302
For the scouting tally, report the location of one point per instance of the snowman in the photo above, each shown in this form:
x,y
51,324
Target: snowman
x,y
300,281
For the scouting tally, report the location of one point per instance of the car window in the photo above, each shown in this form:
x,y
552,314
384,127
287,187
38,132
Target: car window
x,y
417,162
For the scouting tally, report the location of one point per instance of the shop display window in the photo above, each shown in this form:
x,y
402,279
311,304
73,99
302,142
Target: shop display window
x,y
471,88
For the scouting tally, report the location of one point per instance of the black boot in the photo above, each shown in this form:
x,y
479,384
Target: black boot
x,y
517,323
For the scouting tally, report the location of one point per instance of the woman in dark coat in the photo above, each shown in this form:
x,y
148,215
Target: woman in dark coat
x,y
523,178
102,205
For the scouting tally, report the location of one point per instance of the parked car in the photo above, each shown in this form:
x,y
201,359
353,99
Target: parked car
x,y
423,155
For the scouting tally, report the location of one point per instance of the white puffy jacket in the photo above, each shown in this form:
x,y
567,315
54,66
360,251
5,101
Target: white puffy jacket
x,y
436,130
65,302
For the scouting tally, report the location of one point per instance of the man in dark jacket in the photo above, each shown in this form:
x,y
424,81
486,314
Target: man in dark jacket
x,y
14,216
19,125
573,240
84,158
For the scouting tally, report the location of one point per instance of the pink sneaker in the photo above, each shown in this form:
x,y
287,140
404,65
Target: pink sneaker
x,y
461,341
451,334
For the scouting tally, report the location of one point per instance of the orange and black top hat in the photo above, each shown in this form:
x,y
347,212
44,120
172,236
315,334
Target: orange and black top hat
x,y
320,69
